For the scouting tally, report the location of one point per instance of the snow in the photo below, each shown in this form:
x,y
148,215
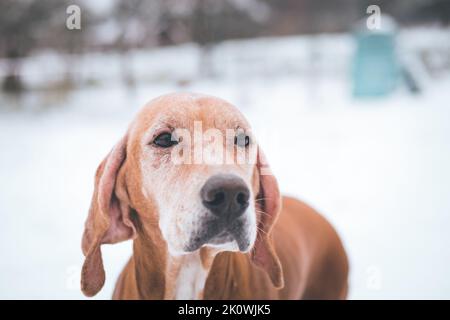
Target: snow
x,y
377,169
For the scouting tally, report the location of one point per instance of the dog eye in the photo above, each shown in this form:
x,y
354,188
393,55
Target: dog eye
x,y
242,140
165,140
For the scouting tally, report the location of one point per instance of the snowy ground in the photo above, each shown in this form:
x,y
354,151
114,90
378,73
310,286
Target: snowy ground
x,y
378,170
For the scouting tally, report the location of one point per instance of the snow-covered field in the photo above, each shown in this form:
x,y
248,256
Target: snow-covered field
x,y
379,170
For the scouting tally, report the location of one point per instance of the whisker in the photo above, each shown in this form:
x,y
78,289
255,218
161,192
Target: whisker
x,y
262,212
264,232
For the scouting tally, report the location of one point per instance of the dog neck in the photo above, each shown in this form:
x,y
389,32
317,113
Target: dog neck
x,y
188,276
165,276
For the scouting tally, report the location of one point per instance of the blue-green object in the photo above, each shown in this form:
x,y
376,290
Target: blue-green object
x,y
376,71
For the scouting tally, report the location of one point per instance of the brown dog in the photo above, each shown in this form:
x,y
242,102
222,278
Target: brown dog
x,y
204,229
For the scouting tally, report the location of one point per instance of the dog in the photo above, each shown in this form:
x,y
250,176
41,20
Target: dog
x,y
204,230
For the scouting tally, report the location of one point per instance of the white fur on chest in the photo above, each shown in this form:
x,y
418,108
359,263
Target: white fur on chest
x,y
191,278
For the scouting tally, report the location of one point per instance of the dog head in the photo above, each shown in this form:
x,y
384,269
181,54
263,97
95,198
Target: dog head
x,y
190,171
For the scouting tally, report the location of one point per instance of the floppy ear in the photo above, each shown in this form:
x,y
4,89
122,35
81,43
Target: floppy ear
x,y
263,253
108,220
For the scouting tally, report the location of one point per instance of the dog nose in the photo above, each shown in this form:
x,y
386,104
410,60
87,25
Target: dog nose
x,y
225,196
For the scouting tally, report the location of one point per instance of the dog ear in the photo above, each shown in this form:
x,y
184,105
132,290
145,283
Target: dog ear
x,y
108,220
263,253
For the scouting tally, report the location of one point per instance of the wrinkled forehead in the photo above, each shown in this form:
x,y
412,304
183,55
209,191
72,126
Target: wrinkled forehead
x,y
184,110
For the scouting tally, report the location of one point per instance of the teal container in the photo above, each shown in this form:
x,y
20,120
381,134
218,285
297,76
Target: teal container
x,y
376,71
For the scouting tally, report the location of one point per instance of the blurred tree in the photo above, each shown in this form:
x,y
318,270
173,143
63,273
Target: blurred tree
x,y
413,11
139,25
312,16
70,42
165,22
214,21
21,24
432,10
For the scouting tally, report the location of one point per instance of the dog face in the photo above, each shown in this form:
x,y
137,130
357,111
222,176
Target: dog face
x,y
189,149
189,172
